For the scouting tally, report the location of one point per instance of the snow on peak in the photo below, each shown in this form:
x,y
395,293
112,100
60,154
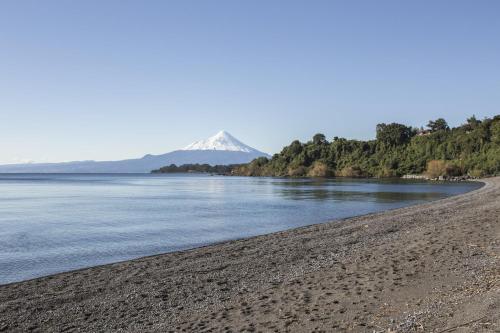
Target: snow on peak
x,y
221,141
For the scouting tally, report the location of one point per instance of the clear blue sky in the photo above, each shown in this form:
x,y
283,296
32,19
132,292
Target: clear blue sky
x,y
117,79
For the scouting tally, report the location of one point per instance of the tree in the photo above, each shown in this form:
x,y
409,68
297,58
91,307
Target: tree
x,y
393,134
495,132
438,125
295,147
319,139
473,122
260,161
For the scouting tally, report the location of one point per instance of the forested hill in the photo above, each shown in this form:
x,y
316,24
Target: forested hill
x,y
472,148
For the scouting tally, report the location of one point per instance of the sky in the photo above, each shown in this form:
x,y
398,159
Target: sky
x,y
108,80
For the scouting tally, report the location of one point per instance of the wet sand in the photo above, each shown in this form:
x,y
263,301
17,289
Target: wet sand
x,y
429,268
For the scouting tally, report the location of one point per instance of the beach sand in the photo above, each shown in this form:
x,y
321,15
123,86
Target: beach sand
x,y
434,267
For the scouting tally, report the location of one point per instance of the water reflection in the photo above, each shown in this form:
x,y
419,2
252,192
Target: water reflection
x,y
373,190
324,194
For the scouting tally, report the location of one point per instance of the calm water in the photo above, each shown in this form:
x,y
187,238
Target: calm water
x,y
54,223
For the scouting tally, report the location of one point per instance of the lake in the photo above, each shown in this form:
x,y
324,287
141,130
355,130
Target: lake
x,y
52,223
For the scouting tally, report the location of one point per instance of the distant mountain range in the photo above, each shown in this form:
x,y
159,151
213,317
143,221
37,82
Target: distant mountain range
x,y
220,149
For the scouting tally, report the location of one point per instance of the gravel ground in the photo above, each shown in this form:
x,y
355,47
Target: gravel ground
x,y
428,268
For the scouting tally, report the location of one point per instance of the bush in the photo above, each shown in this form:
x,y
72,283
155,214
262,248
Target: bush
x,y
453,169
297,172
436,168
351,171
476,173
319,169
386,173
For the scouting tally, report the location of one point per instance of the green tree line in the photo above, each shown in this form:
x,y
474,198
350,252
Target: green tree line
x,y
472,148
197,168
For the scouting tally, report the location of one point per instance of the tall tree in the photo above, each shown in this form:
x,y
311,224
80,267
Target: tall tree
x,y
393,134
319,139
438,125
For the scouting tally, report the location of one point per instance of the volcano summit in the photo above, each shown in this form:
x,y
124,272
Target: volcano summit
x,y
220,149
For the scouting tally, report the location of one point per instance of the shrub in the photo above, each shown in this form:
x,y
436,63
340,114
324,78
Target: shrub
x,y
476,173
453,169
351,171
297,172
386,173
436,168
319,169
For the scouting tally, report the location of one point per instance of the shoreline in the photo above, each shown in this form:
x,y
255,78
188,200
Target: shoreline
x,y
267,234
366,273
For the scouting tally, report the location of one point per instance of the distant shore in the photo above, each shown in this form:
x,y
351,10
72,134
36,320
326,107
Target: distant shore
x,y
428,268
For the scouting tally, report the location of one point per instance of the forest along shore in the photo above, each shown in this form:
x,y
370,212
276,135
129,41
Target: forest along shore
x,y
429,268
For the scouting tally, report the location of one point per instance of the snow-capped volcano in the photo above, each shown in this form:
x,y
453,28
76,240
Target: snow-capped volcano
x,y
221,149
221,141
